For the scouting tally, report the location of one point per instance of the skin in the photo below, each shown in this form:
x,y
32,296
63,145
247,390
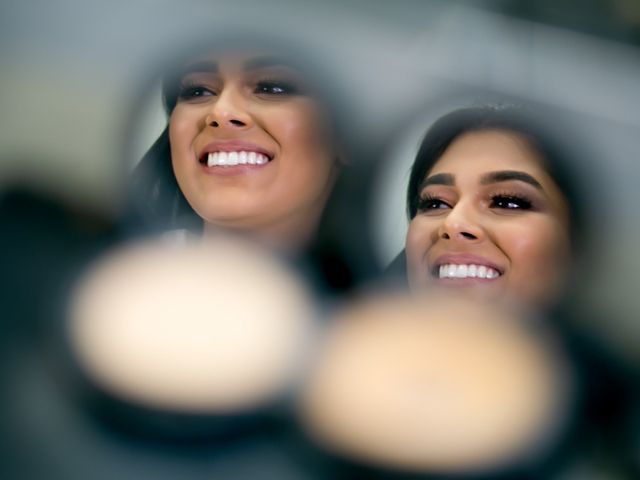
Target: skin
x,y
520,229
256,99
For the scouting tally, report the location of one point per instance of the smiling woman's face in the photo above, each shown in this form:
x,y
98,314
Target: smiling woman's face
x,y
250,147
490,221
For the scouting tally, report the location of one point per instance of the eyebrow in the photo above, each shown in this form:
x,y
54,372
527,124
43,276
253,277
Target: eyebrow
x,y
272,61
200,67
439,179
509,175
208,66
448,179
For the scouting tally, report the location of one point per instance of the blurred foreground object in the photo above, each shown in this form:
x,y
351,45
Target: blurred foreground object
x,y
438,384
213,327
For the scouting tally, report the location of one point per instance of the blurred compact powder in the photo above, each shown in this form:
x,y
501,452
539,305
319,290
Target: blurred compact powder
x,y
202,328
433,385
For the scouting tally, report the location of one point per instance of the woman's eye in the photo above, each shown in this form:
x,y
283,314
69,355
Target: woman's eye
x,y
510,202
427,204
275,88
194,92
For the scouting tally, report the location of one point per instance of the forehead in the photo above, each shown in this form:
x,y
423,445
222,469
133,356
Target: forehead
x,y
487,151
236,61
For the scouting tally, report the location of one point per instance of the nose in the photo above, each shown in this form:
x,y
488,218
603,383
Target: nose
x,y
461,224
229,110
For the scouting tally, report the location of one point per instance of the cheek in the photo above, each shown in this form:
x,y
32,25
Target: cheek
x,y
301,129
419,240
539,253
183,129
182,132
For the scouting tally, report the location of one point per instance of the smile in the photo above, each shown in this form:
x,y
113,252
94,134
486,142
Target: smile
x,y
229,159
452,270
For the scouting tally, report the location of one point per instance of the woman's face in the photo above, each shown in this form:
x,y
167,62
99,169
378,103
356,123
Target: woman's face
x,y
490,221
250,147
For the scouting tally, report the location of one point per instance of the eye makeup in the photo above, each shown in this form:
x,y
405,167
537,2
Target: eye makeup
x,y
196,87
430,203
276,80
510,201
191,90
275,86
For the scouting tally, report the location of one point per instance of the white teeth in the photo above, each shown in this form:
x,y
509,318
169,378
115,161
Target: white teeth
x,y
467,271
220,159
462,271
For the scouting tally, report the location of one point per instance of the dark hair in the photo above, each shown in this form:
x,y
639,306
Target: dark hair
x,y
156,196
554,153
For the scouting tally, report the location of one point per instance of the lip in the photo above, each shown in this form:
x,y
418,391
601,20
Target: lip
x,y
463,259
233,146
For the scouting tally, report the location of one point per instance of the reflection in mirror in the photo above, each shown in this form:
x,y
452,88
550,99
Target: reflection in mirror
x,y
492,209
501,208
250,146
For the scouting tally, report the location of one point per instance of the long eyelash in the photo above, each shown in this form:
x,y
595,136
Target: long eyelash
x,y
188,88
425,201
288,87
526,202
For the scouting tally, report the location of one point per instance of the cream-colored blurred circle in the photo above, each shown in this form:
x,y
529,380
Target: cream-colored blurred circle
x,y
433,385
203,328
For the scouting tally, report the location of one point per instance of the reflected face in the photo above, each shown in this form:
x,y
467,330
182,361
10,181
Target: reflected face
x,y
250,147
491,221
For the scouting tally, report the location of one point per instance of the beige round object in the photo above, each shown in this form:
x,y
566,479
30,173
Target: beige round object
x,y
203,328
433,385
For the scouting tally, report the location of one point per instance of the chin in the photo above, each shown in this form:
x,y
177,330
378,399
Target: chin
x,y
224,216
